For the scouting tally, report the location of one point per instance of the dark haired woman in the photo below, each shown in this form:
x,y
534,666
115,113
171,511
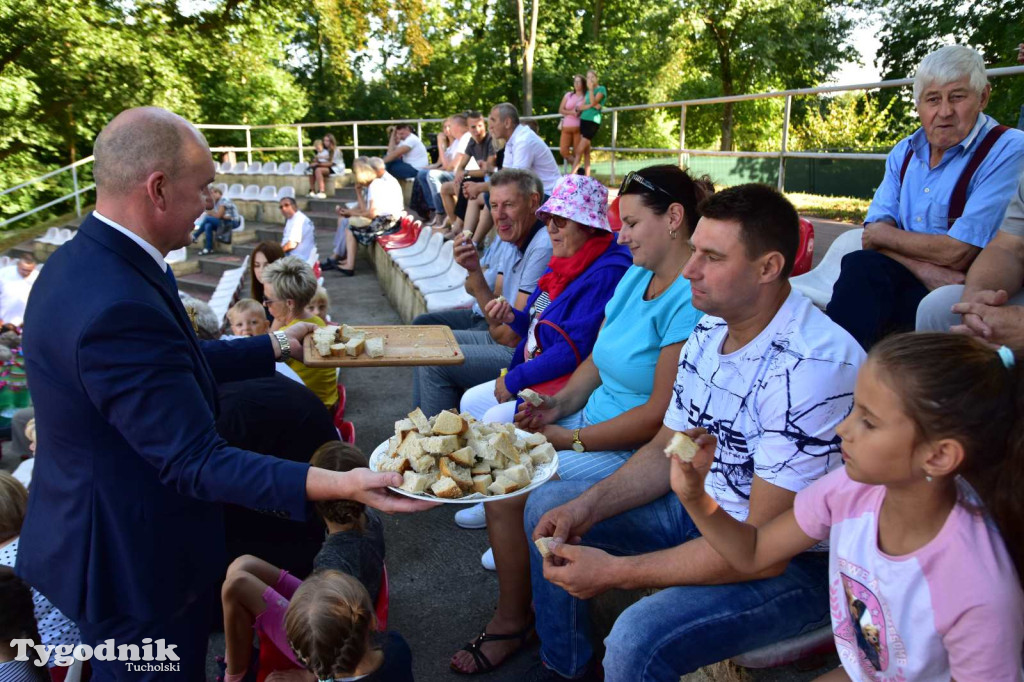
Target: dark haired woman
x,y
615,400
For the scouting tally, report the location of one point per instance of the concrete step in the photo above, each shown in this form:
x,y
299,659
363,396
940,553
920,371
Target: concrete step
x,y
276,233
218,264
198,284
324,219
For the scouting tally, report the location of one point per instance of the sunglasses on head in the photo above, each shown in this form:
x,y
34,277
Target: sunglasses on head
x,y
634,176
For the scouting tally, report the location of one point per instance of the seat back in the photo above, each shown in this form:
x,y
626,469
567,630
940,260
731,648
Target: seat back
x,y
239,167
805,252
284,168
235,191
268,193
269,167
817,284
252,192
287,191
300,168
254,168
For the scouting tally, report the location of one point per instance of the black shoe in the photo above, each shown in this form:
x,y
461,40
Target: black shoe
x,y
347,273
579,171
328,264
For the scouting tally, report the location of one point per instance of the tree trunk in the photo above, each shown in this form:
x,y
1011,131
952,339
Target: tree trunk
x,y
725,73
528,43
595,27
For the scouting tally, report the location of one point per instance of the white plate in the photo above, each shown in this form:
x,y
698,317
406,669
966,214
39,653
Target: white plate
x,y
541,474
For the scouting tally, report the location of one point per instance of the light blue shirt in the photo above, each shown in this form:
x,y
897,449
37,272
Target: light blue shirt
x,y
921,204
498,257
634,332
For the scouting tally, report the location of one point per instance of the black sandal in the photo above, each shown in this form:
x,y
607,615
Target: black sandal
x,y
483,664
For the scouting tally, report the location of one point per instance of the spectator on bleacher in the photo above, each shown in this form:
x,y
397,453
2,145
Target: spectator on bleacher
x,y
15,285
319,168
590,120
218,220
523,147
54,627
772,377
319,305
406,154
565,311
515,197
943,196
431,179
263,255
337,157
288,286
470,167
299,238
616,399
248,318
569,144
17,621
379,213
990,304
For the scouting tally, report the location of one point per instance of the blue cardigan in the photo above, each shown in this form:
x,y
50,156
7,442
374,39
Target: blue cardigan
x,y
578,310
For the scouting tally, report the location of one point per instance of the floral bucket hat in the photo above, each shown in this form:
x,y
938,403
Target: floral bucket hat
x,y
580,198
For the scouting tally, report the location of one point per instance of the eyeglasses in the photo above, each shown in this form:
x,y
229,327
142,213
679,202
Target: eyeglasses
x,y
267,302
634,176
558,221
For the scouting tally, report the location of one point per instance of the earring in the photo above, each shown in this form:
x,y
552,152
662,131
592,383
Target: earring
x,y
672,233
928,478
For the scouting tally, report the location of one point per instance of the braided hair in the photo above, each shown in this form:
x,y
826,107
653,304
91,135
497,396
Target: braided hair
x,y
329,622
338,456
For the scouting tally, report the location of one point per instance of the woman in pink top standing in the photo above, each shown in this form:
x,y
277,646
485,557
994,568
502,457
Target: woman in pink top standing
x,y
570,141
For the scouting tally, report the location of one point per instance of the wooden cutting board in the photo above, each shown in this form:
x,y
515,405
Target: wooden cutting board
x,y
404,346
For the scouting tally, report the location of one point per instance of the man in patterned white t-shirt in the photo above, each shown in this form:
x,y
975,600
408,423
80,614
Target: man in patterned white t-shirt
x,y
771,376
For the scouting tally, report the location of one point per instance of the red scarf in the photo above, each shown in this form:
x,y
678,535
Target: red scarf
x,y
565,270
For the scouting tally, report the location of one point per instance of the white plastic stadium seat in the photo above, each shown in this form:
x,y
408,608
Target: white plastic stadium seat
x,y
427,256
253,169
452,278
51,236
235,191
288,191
414,249
817,284
252,193
437,266
238,168
241,223
284,168
176,256
449,300
65,235
268,193
222,186
300,168
269,168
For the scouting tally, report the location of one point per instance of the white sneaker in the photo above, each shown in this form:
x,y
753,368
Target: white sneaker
x,y
472,517
321,195
487,560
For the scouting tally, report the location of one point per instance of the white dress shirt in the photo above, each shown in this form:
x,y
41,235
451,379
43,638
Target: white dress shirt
x,y
299,229
525,149
14,291
157,257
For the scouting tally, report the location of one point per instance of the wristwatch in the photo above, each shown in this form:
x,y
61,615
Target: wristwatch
x,y
577,444
286,346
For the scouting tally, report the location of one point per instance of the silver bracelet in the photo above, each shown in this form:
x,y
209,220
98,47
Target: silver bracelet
x,y
286,346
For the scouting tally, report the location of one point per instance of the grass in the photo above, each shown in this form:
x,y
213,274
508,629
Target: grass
x,y
14,236
844,209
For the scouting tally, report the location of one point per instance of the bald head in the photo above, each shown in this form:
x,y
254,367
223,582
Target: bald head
x,y
139,142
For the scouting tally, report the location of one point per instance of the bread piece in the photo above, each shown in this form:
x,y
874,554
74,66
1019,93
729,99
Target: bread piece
x,y
411,446
419,420
532,397
402,427
393,444
446,488
542,454
441,445
449,424
417,483
399,464
682,446
464,457
542,546
459,474
375,347
468,418
517,474
503,486
348,333
422,464
501,299
535,439
481,482
323,338
338,349
354,347
467,235
480,468
504,445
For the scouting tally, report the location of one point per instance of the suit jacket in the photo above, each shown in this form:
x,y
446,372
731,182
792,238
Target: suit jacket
x,y
124,516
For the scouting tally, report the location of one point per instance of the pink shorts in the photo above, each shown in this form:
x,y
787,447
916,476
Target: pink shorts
x,y
270,623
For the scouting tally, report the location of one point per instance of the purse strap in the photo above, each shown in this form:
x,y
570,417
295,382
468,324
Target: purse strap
x,y
565,336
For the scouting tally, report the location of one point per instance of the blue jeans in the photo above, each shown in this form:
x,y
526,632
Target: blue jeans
x,y
400,169
210,226
430,181
679,629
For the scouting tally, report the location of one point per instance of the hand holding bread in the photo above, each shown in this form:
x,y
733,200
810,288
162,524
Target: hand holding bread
x,y
466,255
498,311
691,454
584,572
531,417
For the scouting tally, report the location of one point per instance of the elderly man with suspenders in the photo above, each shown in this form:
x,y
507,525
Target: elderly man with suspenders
x,y
941,201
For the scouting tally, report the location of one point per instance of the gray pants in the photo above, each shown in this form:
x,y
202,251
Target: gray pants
x,y
440,387
933,313
455,319
19,442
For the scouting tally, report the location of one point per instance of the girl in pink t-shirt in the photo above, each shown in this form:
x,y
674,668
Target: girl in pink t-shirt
x,y
922,586
570,125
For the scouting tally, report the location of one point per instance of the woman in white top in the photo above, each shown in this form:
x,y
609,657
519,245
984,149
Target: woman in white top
x,y
377,214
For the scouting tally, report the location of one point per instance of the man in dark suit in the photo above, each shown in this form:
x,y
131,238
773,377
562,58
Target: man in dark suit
x,y
124,532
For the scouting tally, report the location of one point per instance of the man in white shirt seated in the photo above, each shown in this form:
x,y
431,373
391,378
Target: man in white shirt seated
x,y
406,154
457,138
523,147
299,235
15,284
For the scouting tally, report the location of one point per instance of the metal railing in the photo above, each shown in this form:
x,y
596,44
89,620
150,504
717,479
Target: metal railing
x,y
682,151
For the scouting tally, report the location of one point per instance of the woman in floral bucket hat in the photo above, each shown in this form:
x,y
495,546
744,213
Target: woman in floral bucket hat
x,y
617,397
557,331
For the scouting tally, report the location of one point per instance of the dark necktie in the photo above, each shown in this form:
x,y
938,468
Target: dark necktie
x,y
170,276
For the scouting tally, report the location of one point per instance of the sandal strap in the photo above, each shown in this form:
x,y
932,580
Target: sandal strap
x,y
483,664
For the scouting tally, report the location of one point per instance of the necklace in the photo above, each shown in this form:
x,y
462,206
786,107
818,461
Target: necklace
x,y
652,295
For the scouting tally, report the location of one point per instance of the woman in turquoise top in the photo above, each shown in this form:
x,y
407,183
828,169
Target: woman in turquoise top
x,y
590,120
617,397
